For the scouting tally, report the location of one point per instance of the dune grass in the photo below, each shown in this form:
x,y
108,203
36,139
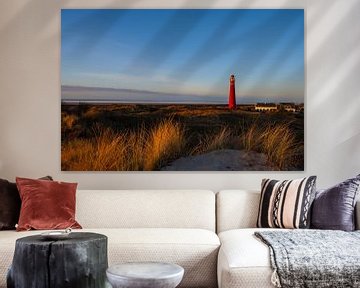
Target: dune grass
x,y
166,141
68,121
128,151
152,147
214,141
277,141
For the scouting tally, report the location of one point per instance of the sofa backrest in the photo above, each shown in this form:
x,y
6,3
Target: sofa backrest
x,y
236,209
239,209
146,209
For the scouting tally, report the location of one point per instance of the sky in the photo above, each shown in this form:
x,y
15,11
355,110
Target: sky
x,y
183,55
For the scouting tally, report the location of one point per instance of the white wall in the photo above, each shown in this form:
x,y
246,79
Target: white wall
x,y
30,94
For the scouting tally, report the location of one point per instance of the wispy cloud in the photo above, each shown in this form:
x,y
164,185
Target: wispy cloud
x,y
97,94
162,83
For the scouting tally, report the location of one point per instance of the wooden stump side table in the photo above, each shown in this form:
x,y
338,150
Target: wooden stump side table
x,y
78,261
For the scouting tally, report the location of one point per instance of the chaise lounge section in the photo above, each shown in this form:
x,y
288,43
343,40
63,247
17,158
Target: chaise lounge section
x,y
244,260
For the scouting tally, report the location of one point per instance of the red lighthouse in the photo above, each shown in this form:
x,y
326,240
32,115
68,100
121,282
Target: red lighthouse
x,y
232,97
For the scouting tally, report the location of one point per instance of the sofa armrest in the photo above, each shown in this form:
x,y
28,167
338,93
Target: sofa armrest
x,y
357,215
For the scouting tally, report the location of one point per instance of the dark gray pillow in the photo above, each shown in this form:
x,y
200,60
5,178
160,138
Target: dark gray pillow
x,y
9,205
334,208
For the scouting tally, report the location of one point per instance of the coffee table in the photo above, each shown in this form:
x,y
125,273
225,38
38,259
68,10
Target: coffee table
x,y
145,275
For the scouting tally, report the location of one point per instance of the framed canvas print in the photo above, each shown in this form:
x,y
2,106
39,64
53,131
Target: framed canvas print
x,y
182,89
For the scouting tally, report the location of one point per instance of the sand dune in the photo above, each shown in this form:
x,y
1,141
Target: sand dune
x,y
222,160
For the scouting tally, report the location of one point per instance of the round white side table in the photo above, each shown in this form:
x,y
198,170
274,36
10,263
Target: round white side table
x,y
145,275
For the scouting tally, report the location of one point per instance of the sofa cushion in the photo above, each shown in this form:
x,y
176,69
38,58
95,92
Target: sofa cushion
x,y
46,204
286,204
194,249
244,261
153,209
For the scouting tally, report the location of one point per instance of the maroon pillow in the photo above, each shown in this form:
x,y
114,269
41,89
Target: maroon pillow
x,y
46,204
10,204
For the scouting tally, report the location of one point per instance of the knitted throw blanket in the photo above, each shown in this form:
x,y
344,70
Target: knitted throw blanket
x,y
313,258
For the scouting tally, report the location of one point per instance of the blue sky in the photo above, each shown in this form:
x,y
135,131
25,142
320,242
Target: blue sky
x,y
186,52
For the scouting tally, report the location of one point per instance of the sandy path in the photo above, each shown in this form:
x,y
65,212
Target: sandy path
x,y
222,160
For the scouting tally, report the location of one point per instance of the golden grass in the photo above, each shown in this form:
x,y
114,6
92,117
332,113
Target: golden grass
x,y
211,142
128,151
253,138
107,146
92,113
151,149
68,121
277,141
166,141
95,154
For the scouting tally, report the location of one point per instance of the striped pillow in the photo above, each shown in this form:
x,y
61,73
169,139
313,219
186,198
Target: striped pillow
x,y
286,204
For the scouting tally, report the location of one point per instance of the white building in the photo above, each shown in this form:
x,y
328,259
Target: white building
x,y
264,107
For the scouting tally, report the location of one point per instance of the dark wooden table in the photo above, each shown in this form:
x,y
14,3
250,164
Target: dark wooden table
x,y
79,261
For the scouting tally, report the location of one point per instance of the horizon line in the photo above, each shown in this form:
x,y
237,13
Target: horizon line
x,y
248,98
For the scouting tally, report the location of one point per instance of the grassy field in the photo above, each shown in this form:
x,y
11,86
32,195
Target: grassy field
x,y
136,137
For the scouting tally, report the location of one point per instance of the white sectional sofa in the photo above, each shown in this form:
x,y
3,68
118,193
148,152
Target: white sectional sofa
x,y
177,226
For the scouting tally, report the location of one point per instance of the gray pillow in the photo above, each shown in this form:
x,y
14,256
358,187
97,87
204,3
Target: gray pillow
x,y
334,208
